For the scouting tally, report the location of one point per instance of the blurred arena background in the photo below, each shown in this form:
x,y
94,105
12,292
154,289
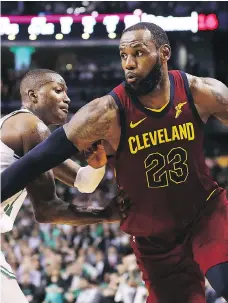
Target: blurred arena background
x,y
79,39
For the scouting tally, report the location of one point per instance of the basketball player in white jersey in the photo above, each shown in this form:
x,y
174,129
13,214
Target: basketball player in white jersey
x,y
45,102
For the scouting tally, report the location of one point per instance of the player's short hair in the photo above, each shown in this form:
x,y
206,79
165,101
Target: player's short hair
x,y
158,35
34,79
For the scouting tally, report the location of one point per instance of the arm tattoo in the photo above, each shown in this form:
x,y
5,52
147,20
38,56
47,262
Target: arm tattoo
x,y
93,128
220,98
218,90
93,122
216,94
210,96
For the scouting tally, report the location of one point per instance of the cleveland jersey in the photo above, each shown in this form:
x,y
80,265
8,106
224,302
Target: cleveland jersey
x,y
160,161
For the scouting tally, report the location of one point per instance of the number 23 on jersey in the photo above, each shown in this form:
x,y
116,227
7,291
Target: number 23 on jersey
x,y
158,176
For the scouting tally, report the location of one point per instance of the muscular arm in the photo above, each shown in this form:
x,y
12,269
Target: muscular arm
x,y
48,208
210,97
42,192
66,172
36,132
97,120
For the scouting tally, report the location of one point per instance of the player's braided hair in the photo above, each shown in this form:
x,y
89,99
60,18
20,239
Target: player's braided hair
x,y
158,35
34,79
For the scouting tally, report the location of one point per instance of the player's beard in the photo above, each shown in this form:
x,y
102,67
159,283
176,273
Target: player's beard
x,y
147,85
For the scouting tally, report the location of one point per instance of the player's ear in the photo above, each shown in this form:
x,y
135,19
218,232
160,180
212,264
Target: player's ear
x,y
165,51
32,96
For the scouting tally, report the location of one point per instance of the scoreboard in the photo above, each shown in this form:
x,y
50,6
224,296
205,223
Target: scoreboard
x,y
96,25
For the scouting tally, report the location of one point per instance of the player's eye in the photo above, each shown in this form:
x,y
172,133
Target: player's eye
x,y
139,53
123,56
58,90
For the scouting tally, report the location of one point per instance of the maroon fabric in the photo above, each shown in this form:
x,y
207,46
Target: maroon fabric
x,y
175,273
164,172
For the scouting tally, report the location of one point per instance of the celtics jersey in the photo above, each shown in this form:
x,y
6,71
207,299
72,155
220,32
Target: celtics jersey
x,y
10,207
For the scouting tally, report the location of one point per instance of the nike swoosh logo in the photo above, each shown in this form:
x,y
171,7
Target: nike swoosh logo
x,y
133,125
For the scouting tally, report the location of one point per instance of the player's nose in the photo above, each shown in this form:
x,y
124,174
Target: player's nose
x,y
130,63
67,100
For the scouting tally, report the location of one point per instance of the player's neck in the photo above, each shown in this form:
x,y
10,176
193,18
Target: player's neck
x,y
36,113
159,97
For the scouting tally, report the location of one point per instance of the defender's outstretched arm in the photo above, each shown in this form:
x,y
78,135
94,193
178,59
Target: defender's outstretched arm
x,y
93,122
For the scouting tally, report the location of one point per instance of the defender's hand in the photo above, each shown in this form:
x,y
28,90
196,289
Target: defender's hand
x,y
123,203
115,210
96,157
119,207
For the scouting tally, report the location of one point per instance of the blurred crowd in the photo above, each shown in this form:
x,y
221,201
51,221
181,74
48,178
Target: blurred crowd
x,y
92,264
87,77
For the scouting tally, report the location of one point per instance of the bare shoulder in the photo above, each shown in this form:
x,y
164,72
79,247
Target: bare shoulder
x,y
210,95
22,128
32,131
32,122
96,120
210,85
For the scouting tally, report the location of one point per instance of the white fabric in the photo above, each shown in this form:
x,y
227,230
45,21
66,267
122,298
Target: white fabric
x,y
10,208
88,178
10,290
4,264
3,119
6,223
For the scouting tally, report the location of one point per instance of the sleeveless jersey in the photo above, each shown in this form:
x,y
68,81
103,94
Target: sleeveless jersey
x,y
160,161
10,207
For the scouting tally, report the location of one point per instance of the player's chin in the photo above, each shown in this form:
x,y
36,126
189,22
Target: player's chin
x,y
133,82
61,119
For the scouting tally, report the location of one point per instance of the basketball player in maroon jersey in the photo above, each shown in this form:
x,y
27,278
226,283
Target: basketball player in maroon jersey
x,y
153,127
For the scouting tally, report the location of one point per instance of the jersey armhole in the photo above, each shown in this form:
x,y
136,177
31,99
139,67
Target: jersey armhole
x,y
122,121
190,98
